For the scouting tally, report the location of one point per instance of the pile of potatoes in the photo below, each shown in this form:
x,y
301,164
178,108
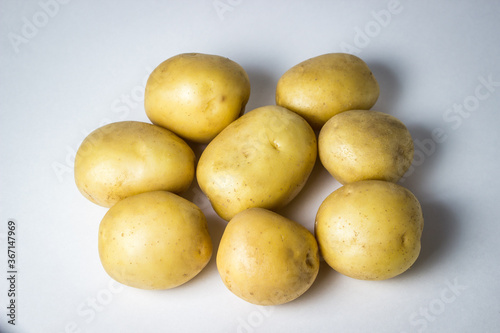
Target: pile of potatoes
x,y
254,163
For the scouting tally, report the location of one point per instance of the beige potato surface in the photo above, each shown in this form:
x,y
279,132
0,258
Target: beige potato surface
x,y
323,86
370,230
154,240
130,157
364,144
196,95
263,159
267,259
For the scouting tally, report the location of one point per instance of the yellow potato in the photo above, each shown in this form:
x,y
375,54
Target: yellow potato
x,y
323,86
129,157
360,144
370,229
267,259
154,240
263,159
196,95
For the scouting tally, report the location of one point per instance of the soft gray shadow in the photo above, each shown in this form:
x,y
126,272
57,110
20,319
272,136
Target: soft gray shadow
x,y
216,224
389,83
425,159
440,226
262,87
318,186
326,276
439,236
216,227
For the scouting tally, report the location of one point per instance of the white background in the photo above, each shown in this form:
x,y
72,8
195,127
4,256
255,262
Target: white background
x,y
68,67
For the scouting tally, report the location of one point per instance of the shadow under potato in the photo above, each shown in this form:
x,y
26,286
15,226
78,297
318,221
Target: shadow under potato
x,y
303,207
216,227
263,88
439,234
326,276
390,87
440,227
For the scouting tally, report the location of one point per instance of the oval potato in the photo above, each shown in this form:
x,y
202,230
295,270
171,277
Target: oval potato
x,y
263,159
370,229
130,157
323,86
196,95
267,259
154,240
363,144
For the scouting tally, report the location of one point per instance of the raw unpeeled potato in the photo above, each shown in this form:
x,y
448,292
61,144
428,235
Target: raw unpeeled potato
x,y
267,259
130,157
263,159
196,95
362,144
154,240
370,229
323,86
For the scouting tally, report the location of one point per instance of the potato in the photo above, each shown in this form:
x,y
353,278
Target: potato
x,y
267,259
263,159
323,86
196,95
359,145
154,240
370,230
129,157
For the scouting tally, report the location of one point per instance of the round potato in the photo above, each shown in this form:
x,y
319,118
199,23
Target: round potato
x,y
323,86
154,240
263,159
362,144
267,259
130,157
196,95
370,230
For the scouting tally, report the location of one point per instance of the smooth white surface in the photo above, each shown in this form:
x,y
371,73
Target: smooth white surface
x,y
86,64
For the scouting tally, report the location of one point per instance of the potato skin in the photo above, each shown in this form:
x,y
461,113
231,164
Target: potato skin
x,y
154,240
130,157
267,259
263,159
196,95
323,86
364,144
370,230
